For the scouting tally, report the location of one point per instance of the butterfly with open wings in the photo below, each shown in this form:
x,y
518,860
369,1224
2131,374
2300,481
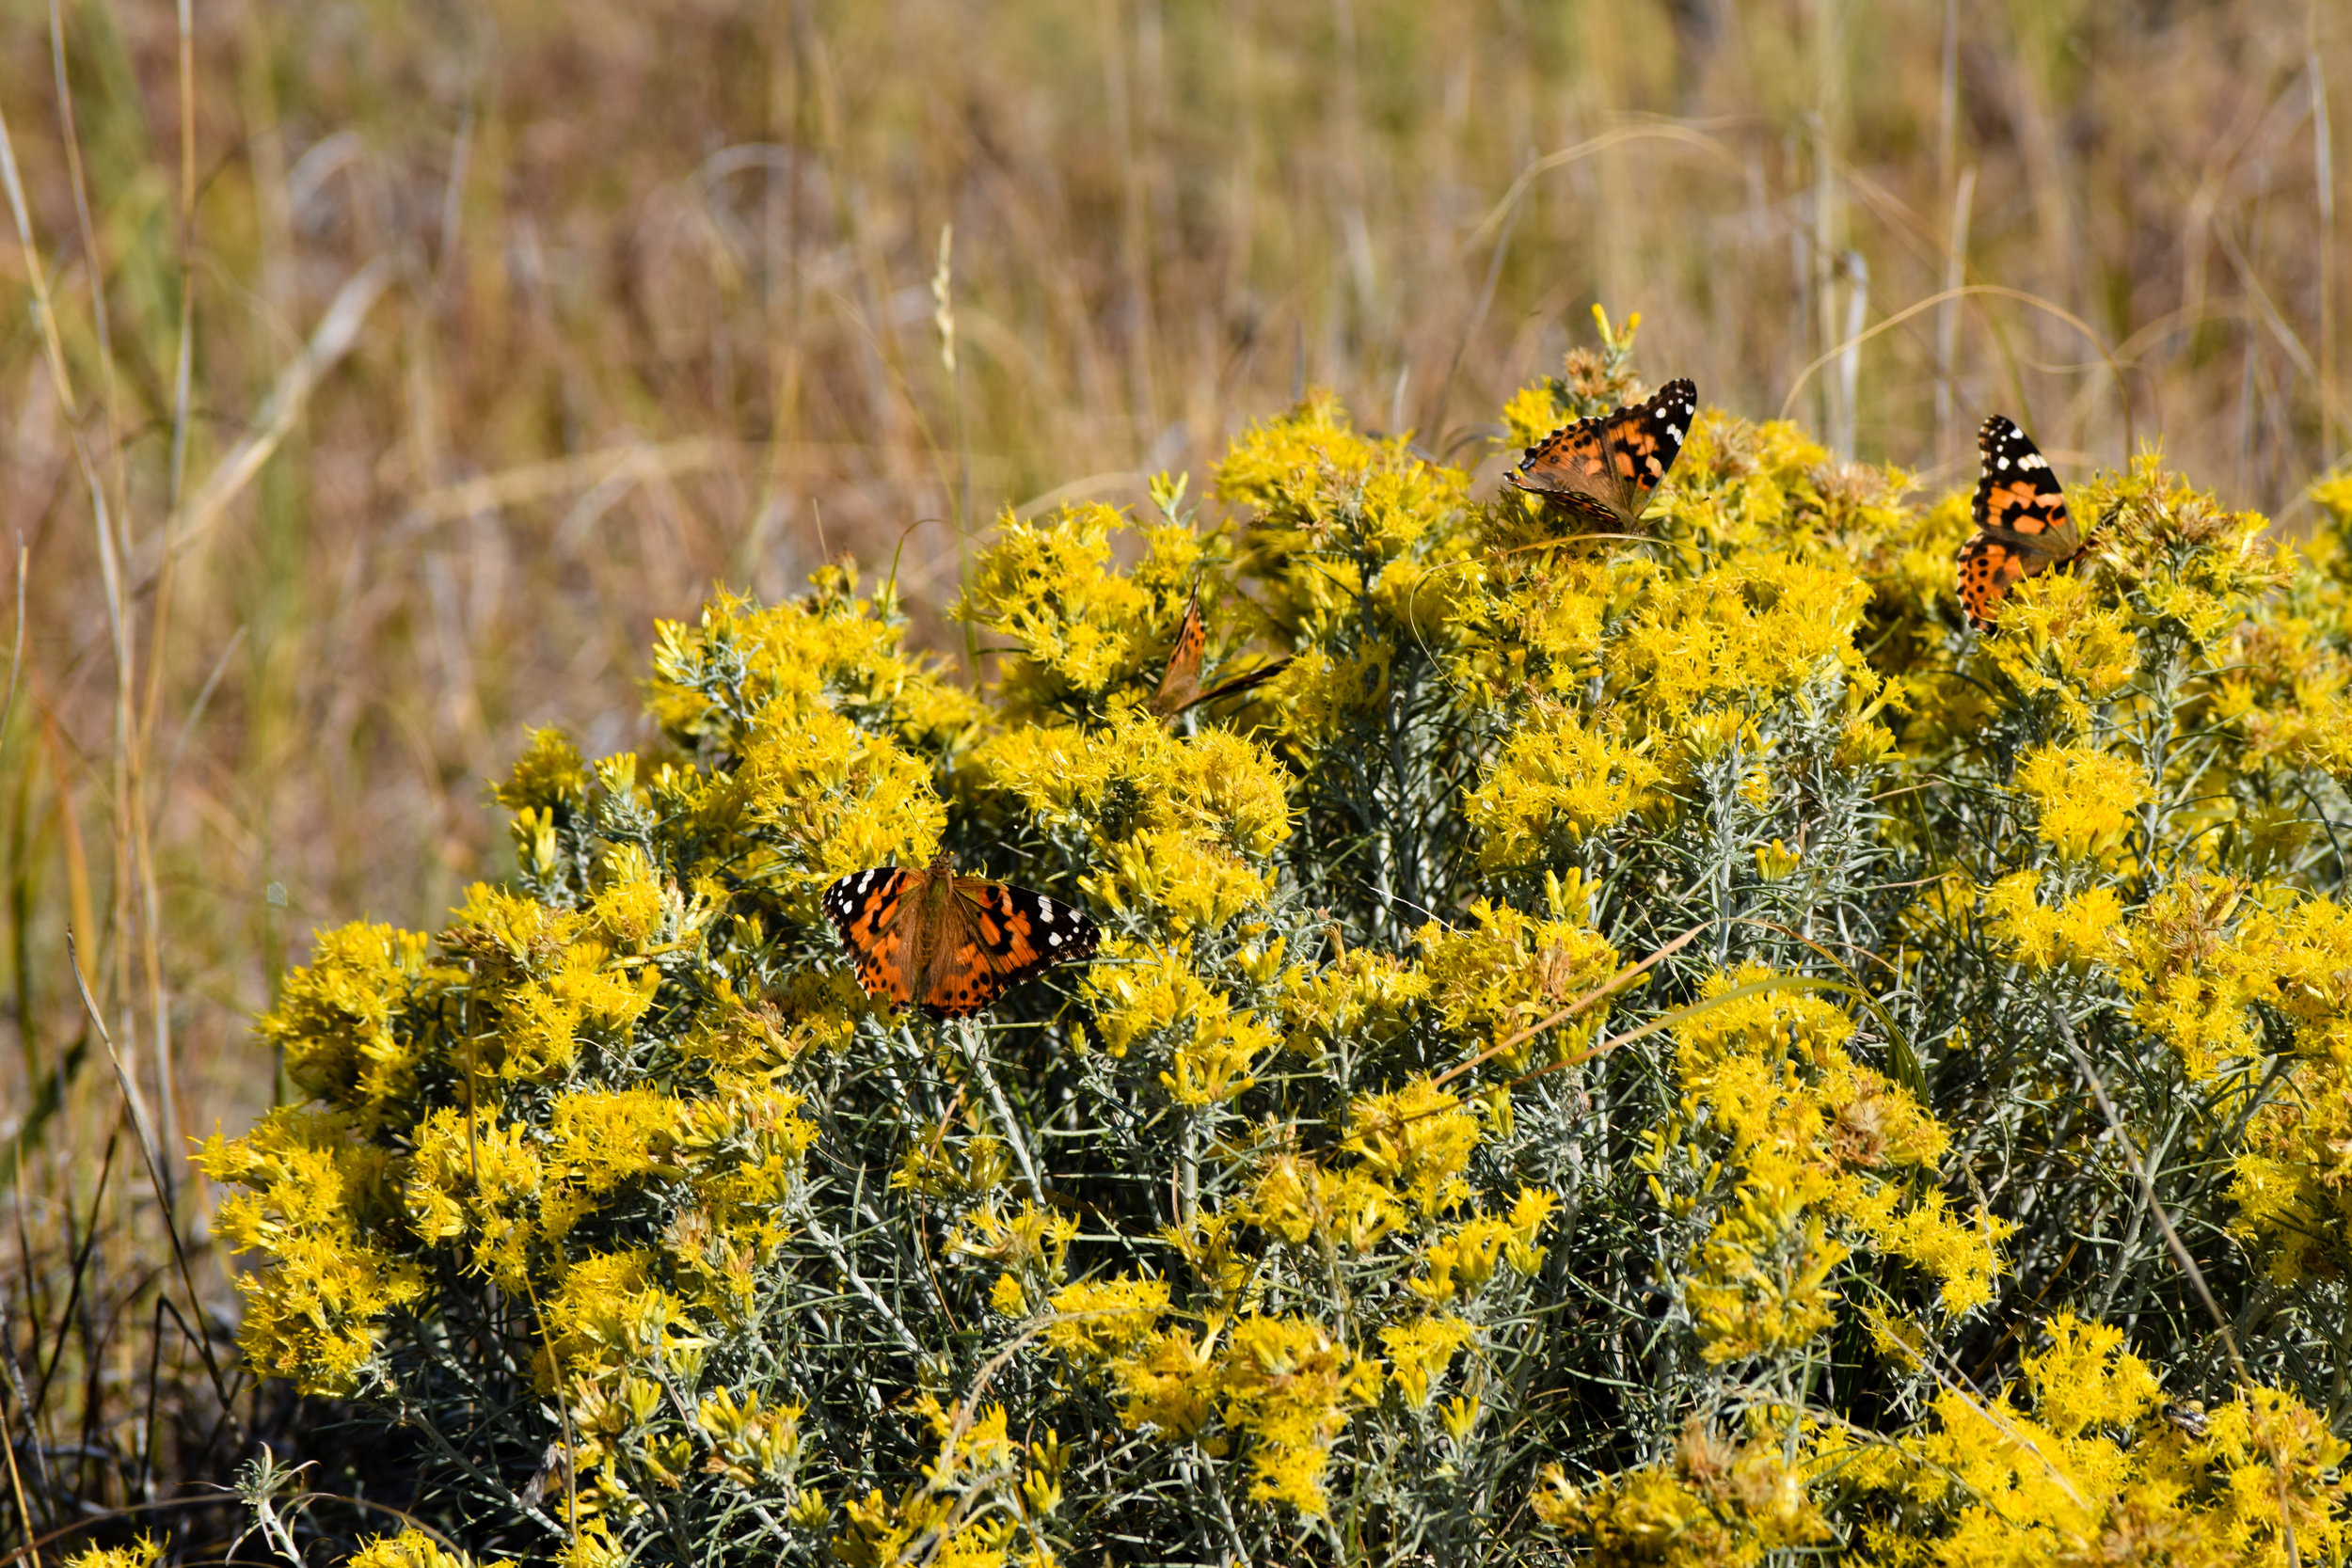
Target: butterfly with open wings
x,y
1604,469
950,944
2021,524
1180,684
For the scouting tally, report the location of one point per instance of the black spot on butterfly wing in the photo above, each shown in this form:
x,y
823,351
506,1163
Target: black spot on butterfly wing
x,y
1646,438
863,908
841,899
2016,488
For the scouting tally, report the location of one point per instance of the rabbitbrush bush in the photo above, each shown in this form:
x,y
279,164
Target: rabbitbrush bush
x,y
1663,1051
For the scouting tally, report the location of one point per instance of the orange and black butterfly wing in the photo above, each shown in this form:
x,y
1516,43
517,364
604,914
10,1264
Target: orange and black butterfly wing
x,y
1180,681
1604,469
2018,494
1988,570
873,910
1646,437
1570,470
995,936
2022,522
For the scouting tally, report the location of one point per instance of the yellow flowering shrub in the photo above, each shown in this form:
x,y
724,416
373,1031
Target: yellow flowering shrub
x,y
1718,1501
412,1548
1661,1051
143,1553
2084,798
2084,1461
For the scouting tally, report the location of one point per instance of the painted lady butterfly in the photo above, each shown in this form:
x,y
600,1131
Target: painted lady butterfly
x,y
2022,525
1180,685
950,945
1604,469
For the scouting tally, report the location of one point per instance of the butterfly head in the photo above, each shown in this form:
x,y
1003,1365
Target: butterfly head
x,y
944,860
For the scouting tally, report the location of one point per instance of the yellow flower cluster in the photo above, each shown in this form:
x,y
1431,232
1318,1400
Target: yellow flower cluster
x,y
983,1496
145,1552
2084,798
318,1201
1506,973
1805,1152
1177,831
413,1548
1557,779
1602,988
2085,929
1719,1501
1050,587
2086,1462
1281,1384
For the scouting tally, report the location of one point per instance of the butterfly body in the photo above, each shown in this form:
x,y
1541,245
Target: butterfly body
x,y
950,945
2022,528
1604,469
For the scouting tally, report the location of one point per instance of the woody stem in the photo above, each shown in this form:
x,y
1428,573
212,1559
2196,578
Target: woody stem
x,y
1005,1119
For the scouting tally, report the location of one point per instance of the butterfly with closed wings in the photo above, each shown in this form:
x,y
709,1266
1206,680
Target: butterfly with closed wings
x,y
950,944
2022,525
1180,684
1604,469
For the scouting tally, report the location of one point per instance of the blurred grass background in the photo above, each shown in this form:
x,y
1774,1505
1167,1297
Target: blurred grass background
x,y
372,375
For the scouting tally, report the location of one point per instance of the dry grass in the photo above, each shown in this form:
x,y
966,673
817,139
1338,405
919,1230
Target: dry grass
x,y
515,327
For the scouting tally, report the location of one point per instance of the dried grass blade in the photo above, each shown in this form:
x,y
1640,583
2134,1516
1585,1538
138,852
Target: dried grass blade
x,y
151,1150
333,338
